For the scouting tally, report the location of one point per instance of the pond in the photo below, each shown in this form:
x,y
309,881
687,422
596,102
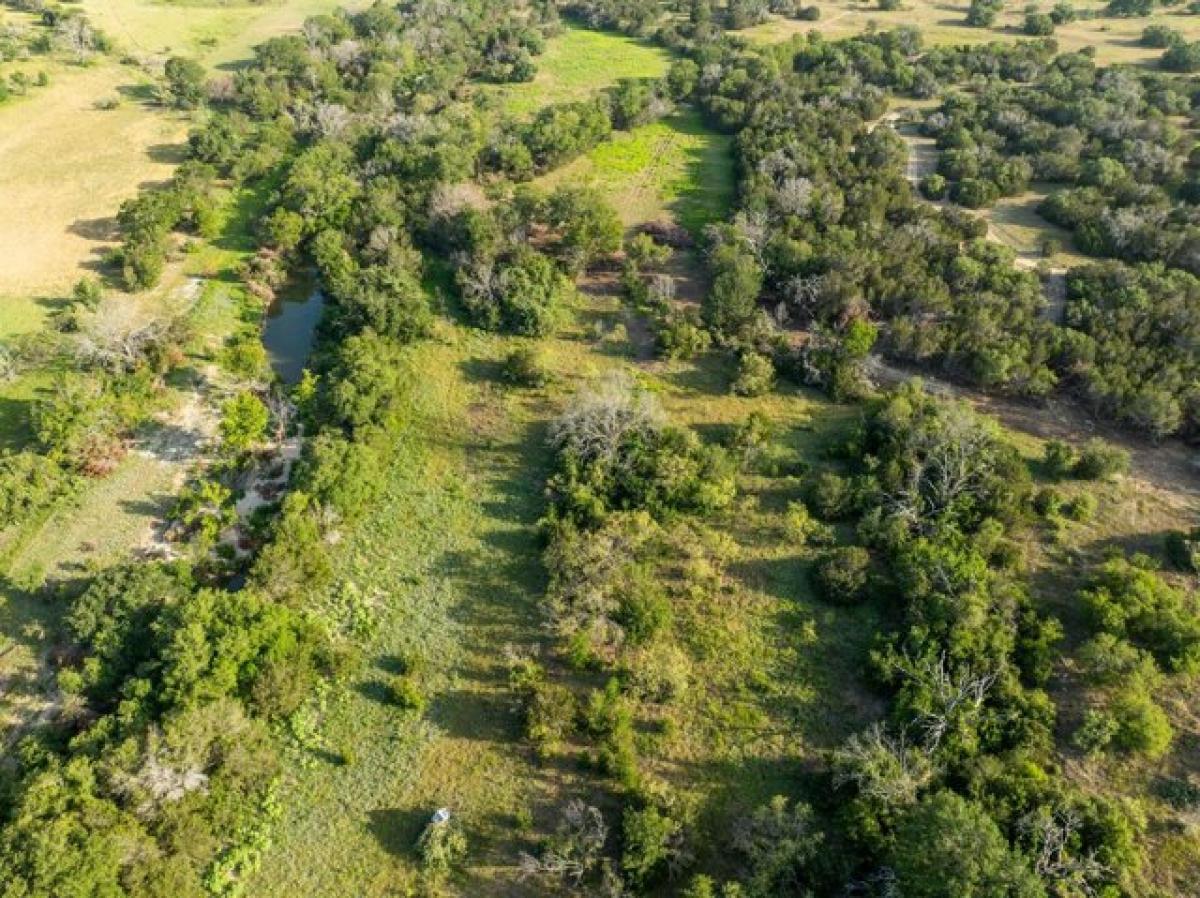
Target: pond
x,y
291,327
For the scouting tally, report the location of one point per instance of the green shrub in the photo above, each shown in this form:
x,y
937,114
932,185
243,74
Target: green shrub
x,y
526,367
442,845
1081,508
404,693
1096,733
1059,458
755,375
650,842
831,495
1142,726
841,575
934,187
1100,461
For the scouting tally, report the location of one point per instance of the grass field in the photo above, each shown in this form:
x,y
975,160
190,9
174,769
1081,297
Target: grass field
x,y
577,63
673,168
65,167
218,33
1115,40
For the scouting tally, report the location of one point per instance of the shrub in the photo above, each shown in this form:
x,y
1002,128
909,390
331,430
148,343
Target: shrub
x,y
650,843
1039,24
405,694
934,187
841,575
1183,550
1142,726
1048,502
526,367
1081,508
1096,732
1160,36
442,845
831,495
1100,461
755,375
803,529
1059,458
682,335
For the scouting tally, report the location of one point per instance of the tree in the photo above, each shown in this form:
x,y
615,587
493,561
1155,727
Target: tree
x,y
243,426
948,847
185,82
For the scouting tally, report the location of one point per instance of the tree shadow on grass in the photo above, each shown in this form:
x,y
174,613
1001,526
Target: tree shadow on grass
x,y
397,829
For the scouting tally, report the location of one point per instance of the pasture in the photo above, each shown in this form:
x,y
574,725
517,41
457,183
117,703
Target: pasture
x,y
1115,40
576,64
675,168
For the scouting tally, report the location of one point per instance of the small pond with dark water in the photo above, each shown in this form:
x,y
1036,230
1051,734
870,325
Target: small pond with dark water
x,y
291,327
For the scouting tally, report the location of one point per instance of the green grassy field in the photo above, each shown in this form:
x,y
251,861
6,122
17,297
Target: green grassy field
x,y
675,168
579,62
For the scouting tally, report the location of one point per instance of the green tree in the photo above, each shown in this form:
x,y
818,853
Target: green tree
x,y
948,847
185,82
244,420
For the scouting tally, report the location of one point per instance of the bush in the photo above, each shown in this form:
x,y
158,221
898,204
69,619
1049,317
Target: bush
x,y
526,367
1142,726
1038,25
1048,502
1081,508
1183,550
1160,36
755,375
1100,461
1096,732
1059,458
831,495
442,845
934,187
841,575
803,529
650,842
406,695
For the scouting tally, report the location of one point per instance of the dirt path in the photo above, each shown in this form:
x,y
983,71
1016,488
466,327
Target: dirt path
x,y
1169,467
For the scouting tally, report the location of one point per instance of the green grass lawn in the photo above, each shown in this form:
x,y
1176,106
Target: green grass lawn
x,y
675,168
577,63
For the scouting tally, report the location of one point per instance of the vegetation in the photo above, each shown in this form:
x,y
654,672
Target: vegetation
x,y
495,601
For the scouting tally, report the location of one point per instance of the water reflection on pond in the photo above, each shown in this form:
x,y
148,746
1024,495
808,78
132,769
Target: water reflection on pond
x,y
291,327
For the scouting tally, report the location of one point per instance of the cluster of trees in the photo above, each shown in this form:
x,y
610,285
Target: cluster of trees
x,y
514,261
954,793
1132,347
627,554
109,362
1145,631
830,235
148,220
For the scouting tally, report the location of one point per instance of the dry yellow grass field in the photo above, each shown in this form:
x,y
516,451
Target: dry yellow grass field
x,y
65,167
1115,40
218,33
